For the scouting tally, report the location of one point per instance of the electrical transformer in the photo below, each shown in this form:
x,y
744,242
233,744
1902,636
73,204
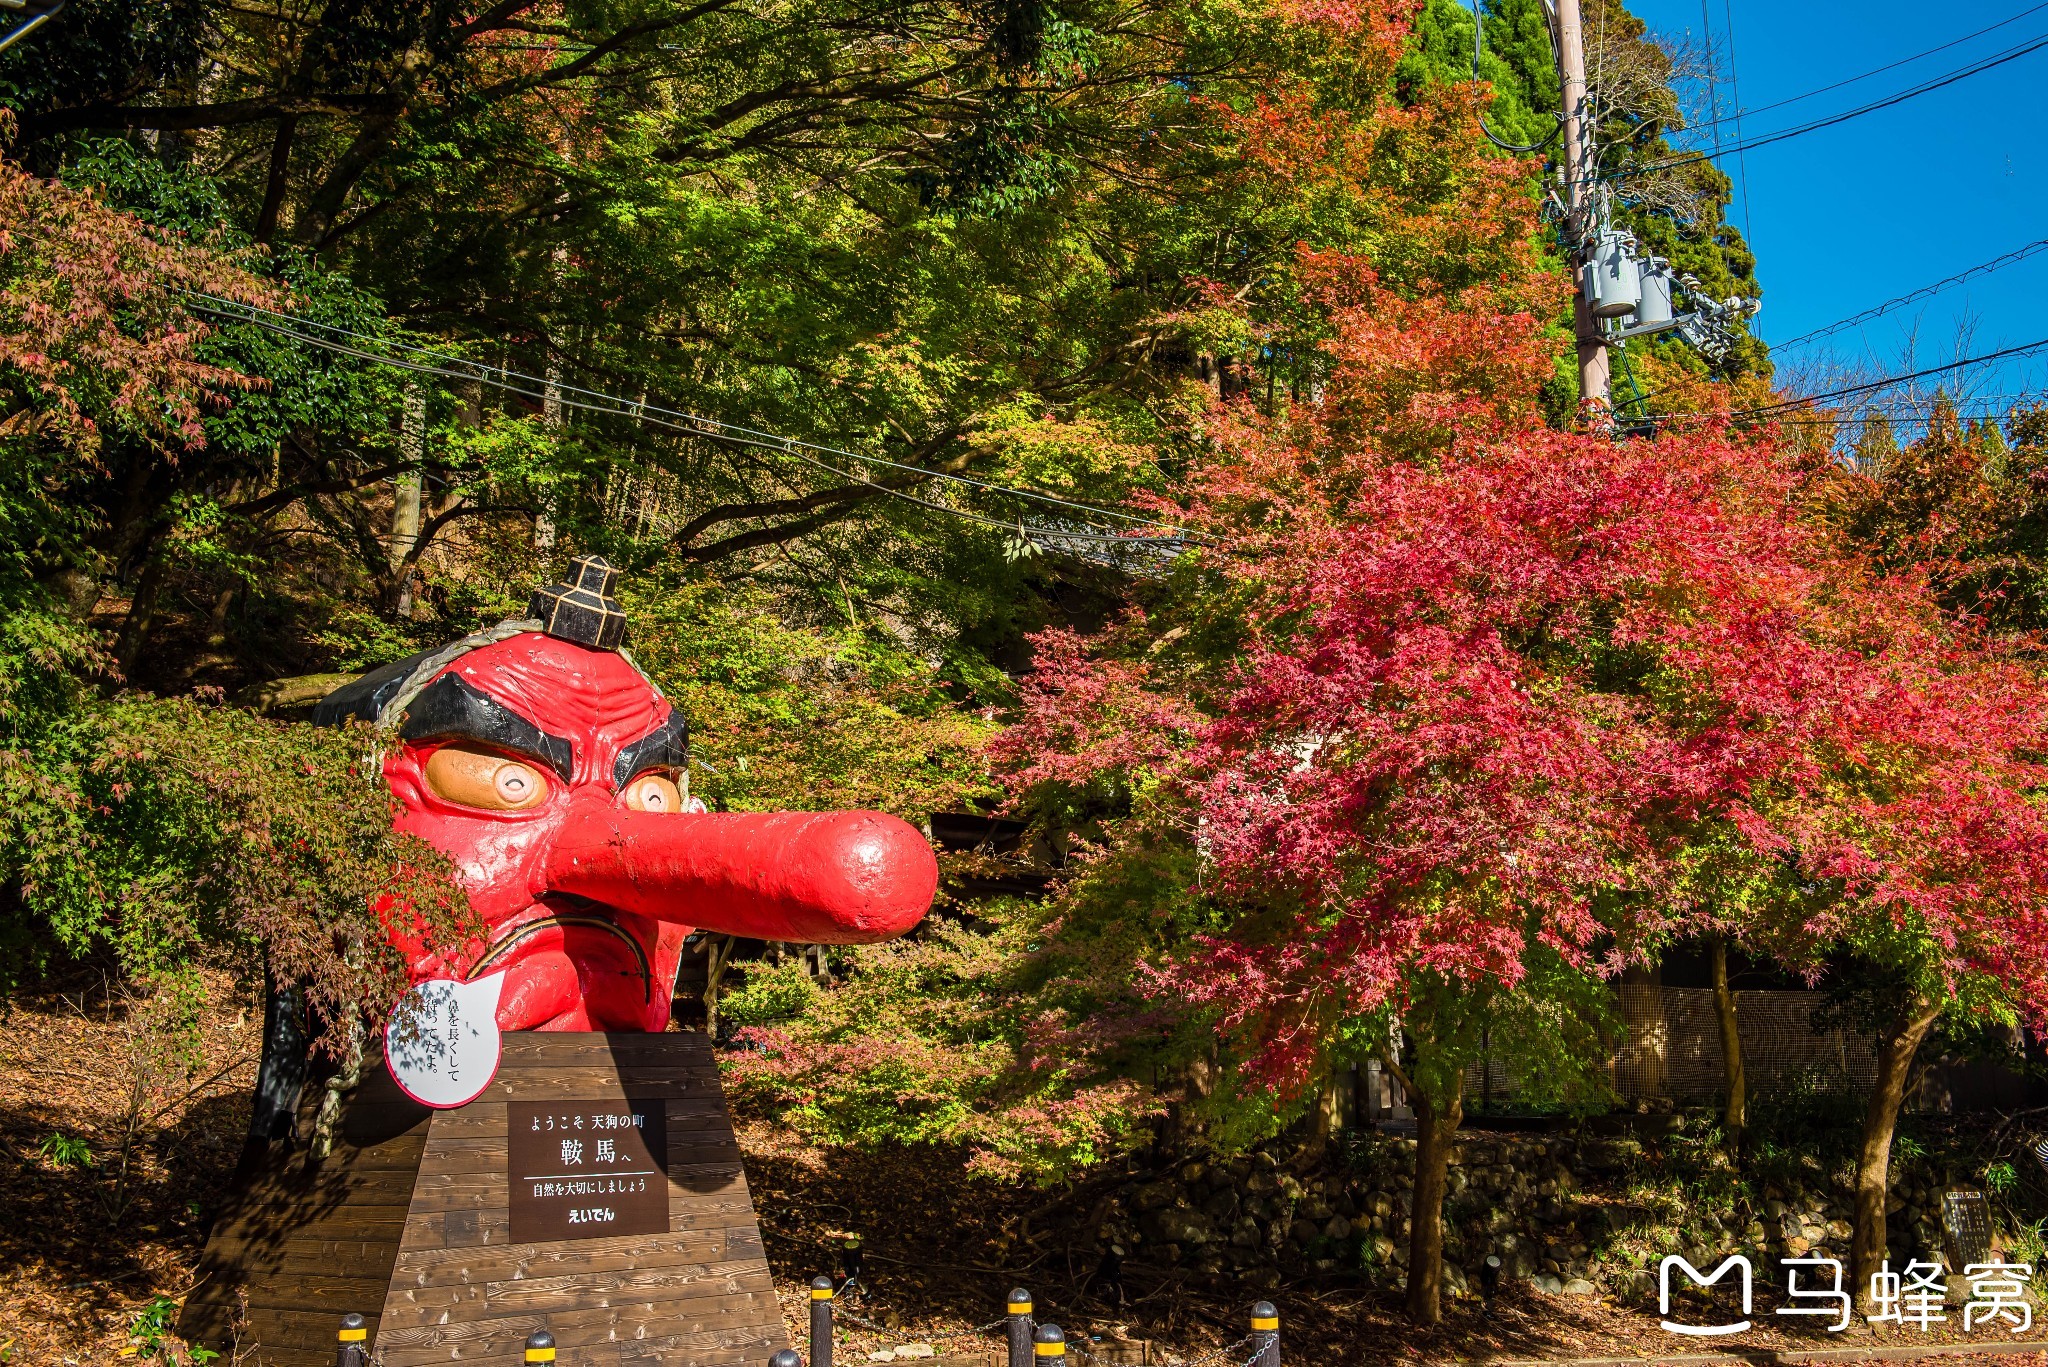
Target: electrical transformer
x,y
1614,283
1657,283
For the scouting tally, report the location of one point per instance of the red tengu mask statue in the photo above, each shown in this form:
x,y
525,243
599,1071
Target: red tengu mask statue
x,y
541,760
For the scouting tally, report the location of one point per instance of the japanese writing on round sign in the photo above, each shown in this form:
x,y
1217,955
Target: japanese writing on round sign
x,y
586,1169
1918,1295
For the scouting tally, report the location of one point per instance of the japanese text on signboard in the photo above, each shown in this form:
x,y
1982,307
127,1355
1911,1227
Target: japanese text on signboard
x,y
587,1169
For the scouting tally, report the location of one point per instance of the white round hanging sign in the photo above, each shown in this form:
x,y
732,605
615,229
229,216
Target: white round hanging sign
x,y
442,1044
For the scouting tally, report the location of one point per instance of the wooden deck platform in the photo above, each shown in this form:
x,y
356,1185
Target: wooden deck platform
x,y
409,1222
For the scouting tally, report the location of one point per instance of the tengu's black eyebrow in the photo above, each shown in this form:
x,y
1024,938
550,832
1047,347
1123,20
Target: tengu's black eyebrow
x,y
450,708
667,746
366,698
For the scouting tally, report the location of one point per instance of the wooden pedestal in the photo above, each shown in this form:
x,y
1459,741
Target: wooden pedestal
x,y
409,1222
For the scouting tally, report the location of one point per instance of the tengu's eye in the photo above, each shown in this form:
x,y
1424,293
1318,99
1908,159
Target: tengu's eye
x,y
654,793
479,778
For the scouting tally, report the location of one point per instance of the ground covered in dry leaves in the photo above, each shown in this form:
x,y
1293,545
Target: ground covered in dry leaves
x,y
113,1147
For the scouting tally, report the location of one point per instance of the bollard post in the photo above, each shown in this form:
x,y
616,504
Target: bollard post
x,y
1020,1327
1266,1333
821,1322
351,1346
786,1358
1049,1346
540,1346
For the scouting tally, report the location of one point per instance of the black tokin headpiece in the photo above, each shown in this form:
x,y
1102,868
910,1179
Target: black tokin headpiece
x,y
583,611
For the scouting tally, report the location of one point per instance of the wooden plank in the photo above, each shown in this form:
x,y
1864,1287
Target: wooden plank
x,y
332,1296
666,1281
503,1285
637,1297
562,1050
334,1259
703,1321
453,1266
570,1084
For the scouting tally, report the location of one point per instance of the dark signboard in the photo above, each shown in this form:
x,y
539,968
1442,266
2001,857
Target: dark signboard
x,y
1966,1223
587,1169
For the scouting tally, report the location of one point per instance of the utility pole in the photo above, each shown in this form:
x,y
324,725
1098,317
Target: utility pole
x,y
405,498
551,419
1582,214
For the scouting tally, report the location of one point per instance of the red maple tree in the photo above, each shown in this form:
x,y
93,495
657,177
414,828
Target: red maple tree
x,y
1503,695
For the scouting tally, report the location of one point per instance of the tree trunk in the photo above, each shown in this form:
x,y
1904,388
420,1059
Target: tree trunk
x,y
300,690
1434,1126
717,955
405,501
135,628
1736,1118
1190,1115
1332,1110
280,1077
1873,1162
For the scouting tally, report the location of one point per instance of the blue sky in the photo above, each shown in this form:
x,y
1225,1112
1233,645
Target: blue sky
x,y
1849,216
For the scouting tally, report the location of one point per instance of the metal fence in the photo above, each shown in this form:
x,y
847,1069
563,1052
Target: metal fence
x,y
1026,1340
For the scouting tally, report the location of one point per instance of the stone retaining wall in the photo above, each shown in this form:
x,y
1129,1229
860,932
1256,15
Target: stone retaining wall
x,y
1556,1210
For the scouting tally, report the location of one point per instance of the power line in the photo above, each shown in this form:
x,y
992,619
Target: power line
x,y
1850,391
1899,425
1740,113
1735,93
1478,45
459,367
657,418
578,397
1920,409
2011,54
1713,77
1876,311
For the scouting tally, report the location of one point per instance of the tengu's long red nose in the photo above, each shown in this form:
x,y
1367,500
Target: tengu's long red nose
x,y
815,877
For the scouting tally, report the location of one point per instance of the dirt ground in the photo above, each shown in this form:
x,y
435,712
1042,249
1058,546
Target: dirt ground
x,y
94,1251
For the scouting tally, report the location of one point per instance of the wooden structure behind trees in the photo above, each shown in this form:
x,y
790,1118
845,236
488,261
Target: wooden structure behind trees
x,y
409,1223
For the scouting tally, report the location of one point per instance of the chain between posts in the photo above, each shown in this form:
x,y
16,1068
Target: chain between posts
x,y
842,1313
1076,1350
1226,1350
1263,1340
540,1346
